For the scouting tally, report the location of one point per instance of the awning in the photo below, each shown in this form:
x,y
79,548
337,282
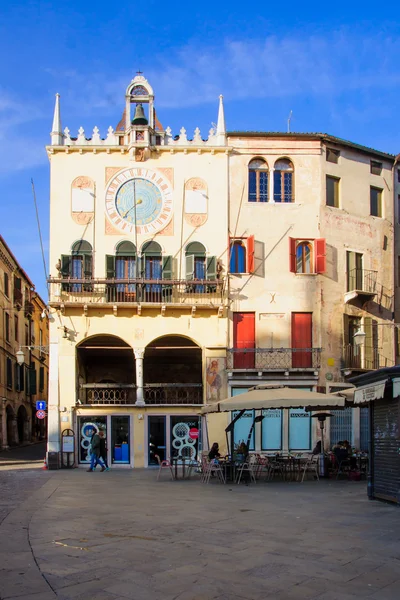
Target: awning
x,y
276,397
370,392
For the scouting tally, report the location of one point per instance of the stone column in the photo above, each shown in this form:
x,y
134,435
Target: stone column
x,y
271,185
4,424
139,353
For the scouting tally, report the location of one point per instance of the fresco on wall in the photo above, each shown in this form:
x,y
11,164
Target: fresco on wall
x,y
215,379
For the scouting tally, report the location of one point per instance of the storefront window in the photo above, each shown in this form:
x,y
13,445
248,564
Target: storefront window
x,y
271,429
120,446
299,429
87,426
242,428
157,439
185,436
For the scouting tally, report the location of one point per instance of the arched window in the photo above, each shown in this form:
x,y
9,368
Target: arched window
x,y
125,266
155,266
195,255
78,265
258,180
304,263
237,262
283,180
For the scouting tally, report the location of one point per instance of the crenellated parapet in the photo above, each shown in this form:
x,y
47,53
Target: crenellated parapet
x,y
95,140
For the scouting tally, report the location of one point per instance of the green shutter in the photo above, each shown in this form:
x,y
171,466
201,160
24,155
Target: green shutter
x,y
41,379
32,380
167,267
143,266
211,270
110,266
189,264
346,331
65,266
87,266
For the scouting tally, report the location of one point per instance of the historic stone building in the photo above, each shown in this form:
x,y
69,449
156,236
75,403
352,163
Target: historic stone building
x,y
185,269
23,329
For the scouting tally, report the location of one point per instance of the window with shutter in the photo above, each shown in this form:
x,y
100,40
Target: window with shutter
x,y
41,379
320,255
211,270
9,373
237,260
167,267
307,256
32,380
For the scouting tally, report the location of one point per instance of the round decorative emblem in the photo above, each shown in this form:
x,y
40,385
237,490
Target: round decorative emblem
x,y
140,197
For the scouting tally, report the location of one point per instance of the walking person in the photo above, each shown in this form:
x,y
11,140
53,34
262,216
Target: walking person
x,y
95,453
103,449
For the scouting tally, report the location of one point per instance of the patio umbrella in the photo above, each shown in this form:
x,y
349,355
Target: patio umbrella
x,y
264,397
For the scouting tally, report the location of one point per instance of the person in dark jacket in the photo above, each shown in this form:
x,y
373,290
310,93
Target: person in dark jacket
x,y
95,453
214,452
103,449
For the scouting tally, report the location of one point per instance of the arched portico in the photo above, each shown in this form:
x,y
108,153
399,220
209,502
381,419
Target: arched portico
x,y
22,425
11,427
173,371
105,371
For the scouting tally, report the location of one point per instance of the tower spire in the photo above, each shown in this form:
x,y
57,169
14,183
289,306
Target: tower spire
x,y
56,132
221,129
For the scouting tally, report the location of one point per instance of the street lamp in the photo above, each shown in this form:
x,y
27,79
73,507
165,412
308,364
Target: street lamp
x,y
20,355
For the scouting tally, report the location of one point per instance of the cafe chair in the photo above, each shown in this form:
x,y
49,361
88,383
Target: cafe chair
x,y
213,468
164,464
247,467
311,466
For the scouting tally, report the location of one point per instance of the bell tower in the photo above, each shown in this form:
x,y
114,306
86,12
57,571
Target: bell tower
x,y
141,127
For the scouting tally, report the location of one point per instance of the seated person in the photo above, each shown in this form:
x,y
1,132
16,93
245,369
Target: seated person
x,y
214,451
318,448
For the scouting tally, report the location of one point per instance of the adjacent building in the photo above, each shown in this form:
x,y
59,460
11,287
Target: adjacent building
x,y
186,269
23,328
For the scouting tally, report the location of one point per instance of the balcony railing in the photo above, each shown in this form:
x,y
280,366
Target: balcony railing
x,y
362,280
274,358
154,393
366,360
173,393
107,393
138,291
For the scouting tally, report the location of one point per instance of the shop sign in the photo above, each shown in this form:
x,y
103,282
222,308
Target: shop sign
x,y
194,433
68,443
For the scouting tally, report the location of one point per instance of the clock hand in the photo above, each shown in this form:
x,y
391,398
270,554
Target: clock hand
x,y
131,208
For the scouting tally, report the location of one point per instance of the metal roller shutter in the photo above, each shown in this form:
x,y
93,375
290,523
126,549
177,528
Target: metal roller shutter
x,y
386,449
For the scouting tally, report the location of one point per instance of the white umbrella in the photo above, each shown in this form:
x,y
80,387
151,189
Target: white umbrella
x,y
264,397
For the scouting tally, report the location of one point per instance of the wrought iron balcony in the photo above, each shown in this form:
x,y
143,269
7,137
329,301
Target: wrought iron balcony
x,y
107,393
273,358
361,284
199,292
173,393
154,394
364,359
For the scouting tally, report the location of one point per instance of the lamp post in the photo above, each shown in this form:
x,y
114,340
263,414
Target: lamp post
x,y
20,355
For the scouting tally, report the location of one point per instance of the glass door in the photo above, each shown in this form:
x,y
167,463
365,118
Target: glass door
x,y
185,436
156,434
87,426
120,436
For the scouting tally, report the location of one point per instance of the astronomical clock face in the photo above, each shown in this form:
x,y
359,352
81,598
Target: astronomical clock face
x,y
139,196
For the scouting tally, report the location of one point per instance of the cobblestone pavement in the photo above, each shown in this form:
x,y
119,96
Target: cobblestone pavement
x,y
121,534
18,475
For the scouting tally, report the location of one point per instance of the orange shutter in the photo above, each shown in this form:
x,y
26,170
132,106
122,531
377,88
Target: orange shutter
x,y
320,255
250,254
292,255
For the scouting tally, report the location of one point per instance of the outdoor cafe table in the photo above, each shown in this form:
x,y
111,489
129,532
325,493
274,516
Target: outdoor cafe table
x,y
292,466
185,463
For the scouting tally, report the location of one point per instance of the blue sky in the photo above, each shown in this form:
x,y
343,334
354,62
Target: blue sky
x,y
337,71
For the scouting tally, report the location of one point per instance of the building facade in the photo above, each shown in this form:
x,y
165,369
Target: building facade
x,y
23,328
185,270
311,274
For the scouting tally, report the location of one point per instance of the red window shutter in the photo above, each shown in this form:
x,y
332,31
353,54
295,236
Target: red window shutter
x,y
250,254
320,255
292,255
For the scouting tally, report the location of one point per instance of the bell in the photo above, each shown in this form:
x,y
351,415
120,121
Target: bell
x,y
140,117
